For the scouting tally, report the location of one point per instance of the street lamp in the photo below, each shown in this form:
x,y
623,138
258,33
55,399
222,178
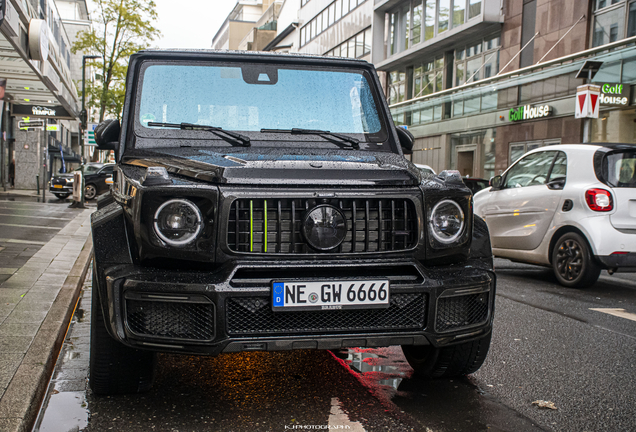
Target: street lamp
x,y
83,122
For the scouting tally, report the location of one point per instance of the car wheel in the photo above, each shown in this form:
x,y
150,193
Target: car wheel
x,y
61,195
461,359
115,368
89,192
573,263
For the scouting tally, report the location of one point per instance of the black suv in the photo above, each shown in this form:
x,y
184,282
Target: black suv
x,y
262,202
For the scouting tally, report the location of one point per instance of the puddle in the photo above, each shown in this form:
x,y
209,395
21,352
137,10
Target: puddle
x,y
66,411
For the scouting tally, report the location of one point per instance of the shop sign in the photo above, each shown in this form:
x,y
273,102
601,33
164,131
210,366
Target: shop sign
x,y
528,112
41,111
587,101
614,94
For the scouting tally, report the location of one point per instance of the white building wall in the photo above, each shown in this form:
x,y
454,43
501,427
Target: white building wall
x,y
349,25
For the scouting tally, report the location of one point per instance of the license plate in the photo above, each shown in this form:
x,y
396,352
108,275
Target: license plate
x,y
330,295
58,186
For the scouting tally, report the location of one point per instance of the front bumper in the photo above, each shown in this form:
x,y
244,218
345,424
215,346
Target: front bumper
x,y
63,189
229,309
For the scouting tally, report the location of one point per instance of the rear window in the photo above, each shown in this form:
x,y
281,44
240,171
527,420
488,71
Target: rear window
x,y
621,169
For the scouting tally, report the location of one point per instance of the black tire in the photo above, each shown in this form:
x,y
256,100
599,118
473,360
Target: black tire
x,y
61,195
573,263
90,192
116,368
456,360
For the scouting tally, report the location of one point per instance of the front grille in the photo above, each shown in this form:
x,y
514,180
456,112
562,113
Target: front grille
x,y
274,226
461,311
170,320
254,316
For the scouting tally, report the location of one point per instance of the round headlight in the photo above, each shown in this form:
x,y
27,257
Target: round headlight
x,y
325,227
447,221
178,222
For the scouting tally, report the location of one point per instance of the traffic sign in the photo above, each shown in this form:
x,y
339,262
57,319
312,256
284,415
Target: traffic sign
x,y
587,101
89,135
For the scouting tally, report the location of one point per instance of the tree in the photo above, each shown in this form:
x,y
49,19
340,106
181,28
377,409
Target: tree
x,y
120,28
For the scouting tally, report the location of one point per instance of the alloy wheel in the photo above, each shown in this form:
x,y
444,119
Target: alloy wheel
x,y
569,260
89,192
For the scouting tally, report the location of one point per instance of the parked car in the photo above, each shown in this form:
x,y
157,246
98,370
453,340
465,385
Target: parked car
x,y
95,175
425,169
567,206
475,184
239,222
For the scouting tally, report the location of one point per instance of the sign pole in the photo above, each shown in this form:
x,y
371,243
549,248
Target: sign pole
x,y
587,122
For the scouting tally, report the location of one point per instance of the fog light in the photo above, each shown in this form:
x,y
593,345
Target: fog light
x,y
178,222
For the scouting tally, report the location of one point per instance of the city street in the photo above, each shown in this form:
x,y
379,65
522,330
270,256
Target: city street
x,y
549,345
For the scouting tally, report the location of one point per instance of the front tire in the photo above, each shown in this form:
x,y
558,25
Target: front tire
x,y
462,359
116,368
573,263
90,191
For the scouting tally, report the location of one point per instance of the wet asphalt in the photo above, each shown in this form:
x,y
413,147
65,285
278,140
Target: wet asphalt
x,y
547,345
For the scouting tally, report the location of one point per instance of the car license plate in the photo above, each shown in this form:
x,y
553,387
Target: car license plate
x,y
58,186
328,295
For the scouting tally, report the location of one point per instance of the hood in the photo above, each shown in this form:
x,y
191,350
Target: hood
x,y
258,166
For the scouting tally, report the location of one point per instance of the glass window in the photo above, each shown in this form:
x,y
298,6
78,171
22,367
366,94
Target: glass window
x,y
560,167
359,45
608,27
332,14
459,74
459,12
393,32
532,170
417,22
474,8
473,69
338,10
429,19
229,97
458,108
444,15
406,22
352,48
471,105
367,40
631,23
491,66
621,169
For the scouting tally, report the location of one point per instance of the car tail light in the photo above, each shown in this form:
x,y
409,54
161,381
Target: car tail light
x,y
599,200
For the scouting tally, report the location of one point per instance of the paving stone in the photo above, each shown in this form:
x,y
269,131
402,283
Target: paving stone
x,y
9,363
25,317
19,329
11,425
7,271
15,344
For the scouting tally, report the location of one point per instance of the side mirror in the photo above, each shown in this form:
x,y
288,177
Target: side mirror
x,y
107,135
496,182
406,140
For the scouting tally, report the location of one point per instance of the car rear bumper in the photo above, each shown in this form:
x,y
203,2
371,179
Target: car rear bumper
x,y
624,262
230,309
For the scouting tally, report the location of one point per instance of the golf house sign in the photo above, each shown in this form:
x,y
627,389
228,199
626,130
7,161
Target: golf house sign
x,y
614,94
528,112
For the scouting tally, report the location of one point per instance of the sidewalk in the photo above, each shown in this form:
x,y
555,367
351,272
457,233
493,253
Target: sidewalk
x,y
36,305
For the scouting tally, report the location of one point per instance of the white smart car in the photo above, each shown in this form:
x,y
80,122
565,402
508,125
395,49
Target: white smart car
x,y
572,207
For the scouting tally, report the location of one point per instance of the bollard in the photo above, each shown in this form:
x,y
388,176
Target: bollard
x,y
37,182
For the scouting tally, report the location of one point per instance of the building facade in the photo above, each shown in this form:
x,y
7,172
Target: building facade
x,y
479,83
40,104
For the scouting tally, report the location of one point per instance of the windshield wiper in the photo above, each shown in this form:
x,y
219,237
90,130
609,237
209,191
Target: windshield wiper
x,y
330,136
232,137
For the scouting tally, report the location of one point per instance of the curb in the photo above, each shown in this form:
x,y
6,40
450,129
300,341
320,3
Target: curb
x,y
28,387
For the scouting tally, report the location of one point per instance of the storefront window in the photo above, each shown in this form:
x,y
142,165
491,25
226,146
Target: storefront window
x,y
615,126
